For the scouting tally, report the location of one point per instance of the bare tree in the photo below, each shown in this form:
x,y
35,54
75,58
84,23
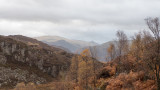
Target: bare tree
x,y
153,25
122,44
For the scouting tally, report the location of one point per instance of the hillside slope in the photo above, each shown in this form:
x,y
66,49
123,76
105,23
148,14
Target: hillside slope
x,y
31,62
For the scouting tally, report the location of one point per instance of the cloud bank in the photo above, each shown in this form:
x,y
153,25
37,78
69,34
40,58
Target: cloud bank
x,y
89,20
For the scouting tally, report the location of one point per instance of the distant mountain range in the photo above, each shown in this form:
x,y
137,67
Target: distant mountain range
x,y
65,44
76,46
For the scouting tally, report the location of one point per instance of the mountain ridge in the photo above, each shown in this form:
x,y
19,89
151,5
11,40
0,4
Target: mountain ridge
x,y
72,45
77,46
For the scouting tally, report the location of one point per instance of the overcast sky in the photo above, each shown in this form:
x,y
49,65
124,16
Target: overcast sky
x,y
89,20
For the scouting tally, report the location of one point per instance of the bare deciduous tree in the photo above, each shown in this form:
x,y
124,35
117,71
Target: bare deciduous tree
x,y
153,25
122,43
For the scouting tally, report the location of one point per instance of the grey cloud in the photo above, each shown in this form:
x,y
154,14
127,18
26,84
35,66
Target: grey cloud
x,y
94,11
98,19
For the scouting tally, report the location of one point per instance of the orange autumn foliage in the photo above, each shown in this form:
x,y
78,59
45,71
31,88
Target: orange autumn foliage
x,y
131,81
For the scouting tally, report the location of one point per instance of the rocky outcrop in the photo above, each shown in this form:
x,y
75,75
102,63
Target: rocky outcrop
x,y
3,59
46,60
10,76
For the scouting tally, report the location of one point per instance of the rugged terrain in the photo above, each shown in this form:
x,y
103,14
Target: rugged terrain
x,y
23,59
26,63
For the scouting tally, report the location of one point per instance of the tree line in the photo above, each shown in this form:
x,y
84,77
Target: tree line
x,y
144,47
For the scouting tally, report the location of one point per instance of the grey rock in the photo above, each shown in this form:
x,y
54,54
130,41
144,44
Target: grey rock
x,y
3,59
